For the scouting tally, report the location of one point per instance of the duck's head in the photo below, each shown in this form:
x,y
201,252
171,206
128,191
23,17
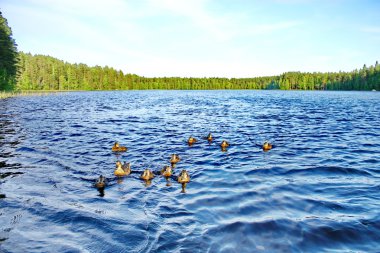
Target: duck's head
x,y
116,145
101,182
147,174
167,171
224,144
118,164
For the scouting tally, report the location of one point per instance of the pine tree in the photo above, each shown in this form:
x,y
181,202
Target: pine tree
x,y
8,56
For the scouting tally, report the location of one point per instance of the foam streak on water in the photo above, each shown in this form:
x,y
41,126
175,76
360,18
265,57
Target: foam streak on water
x,y
318,190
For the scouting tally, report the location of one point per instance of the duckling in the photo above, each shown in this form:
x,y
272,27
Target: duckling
x,y
166,171
174,159
191,140
183,179
122,170
267,146
101,182
209,137
117,148
147,175
224,144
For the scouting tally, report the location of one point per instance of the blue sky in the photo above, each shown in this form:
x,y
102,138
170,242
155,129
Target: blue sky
x,y
201,38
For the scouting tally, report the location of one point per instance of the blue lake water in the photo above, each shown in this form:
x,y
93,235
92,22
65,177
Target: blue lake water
x,y
317,190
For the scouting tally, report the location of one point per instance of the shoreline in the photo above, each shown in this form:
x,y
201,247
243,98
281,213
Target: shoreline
x,y
9,94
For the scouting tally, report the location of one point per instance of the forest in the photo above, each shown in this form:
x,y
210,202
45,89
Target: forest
x,y
28,72
8,56
39,72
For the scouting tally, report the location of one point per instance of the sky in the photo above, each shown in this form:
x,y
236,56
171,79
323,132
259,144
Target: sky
x,y
201,38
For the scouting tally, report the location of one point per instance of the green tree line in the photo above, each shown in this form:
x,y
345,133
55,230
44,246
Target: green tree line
x,y
39,72
8,56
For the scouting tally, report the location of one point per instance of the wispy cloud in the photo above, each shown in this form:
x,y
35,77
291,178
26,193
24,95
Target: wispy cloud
x,y
197,37
371,29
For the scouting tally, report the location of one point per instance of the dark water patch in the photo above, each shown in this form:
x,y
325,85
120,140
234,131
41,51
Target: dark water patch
x,y
4,165
330,170
327,235
10,174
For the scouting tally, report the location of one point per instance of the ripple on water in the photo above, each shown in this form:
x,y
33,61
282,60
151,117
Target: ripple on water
x,y
315,191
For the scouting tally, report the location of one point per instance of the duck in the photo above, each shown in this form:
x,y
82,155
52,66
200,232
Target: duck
x,y
267,146
147,175
166,171
117,148
122,170
209,137
183,179
101,182
224,144
191,140
174,159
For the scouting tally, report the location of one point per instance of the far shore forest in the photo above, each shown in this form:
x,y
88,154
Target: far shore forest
x,y
25,71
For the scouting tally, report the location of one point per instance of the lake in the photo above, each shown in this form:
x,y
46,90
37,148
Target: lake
x,y
317,190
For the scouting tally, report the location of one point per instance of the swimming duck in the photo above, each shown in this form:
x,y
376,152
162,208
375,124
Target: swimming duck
x,y
209,137
122,170
191,140
183,179
117,148
267,146
224,144
174,159
101,182
147,175
166,171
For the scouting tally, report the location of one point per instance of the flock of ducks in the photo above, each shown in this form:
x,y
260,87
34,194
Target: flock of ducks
x,y
147,175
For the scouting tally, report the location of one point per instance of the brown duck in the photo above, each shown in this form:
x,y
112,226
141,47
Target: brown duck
x,y
147,175
209,137
167,171
101,182
122,170
174,159
267,146
183,179
117,148
224,145
191,140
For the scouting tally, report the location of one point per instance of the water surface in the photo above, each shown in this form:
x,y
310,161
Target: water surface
x,y
318,190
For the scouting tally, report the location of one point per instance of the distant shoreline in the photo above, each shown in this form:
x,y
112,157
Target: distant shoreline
x,y
8,94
